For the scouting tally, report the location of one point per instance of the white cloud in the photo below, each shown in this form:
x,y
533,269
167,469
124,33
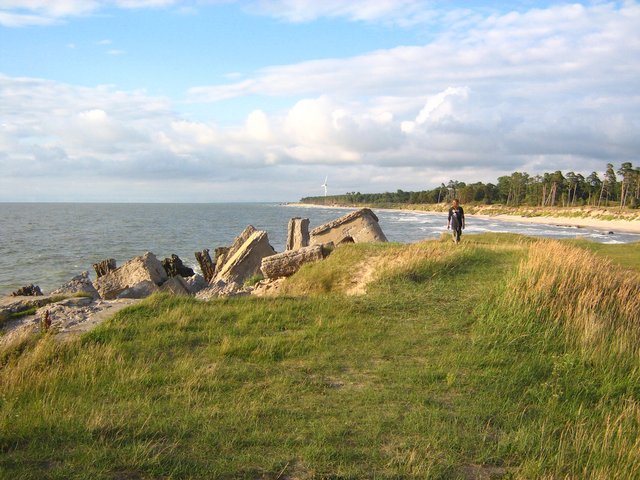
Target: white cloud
x,y
512,88
20,13
257,126
546,89
356,10
438,107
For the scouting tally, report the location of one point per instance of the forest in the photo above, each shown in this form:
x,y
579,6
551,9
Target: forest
x,y
617,187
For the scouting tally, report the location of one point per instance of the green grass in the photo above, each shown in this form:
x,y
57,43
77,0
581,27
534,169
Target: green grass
x,y
432,373
625,255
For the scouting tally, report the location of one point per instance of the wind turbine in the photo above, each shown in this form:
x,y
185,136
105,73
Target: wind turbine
x,y
324,185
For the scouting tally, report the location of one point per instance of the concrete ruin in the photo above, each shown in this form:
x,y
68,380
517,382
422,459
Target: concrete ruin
x,y
287,263
244,257
362,226
298,233
145,268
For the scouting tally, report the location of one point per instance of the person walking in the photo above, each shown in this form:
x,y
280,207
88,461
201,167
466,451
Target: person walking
x,y
456,220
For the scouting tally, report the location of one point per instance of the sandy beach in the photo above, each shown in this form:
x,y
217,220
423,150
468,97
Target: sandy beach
x,y
627,226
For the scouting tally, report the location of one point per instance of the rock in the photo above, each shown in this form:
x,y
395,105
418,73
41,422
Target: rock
x,y
222,289
287,263
176,285
105,266
196,283
361,225
207,266
345,241
78,284
244,261
221,255
225,253
298,233
146,268
139,290
174,267
75,302
20,304
28,291
269,287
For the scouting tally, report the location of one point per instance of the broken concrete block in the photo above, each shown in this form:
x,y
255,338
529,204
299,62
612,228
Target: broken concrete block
x,y
362,226
298,233
139,269
139,290
244,261
287,263
176,286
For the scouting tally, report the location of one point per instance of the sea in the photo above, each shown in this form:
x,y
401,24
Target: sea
x,y
49,243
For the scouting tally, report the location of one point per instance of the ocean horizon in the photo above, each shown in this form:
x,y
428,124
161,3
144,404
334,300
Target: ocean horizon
x,y
47,243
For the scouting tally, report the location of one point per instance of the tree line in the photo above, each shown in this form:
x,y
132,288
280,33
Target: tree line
x,y
619,187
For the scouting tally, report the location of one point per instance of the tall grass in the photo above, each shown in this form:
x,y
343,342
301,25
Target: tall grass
x,y
564,333
597,301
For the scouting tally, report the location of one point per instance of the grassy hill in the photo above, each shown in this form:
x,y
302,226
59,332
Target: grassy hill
x,y
502,357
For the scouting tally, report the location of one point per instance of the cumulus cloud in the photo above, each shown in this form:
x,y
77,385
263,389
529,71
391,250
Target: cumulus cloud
x,y
406,11
555,83
20,13
544,89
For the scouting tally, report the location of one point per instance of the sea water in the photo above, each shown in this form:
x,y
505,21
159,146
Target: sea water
x,y
48,243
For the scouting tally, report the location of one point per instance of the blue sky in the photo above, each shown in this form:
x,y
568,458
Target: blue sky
x,y
162,100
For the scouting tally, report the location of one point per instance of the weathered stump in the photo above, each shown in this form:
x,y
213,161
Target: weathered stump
x,y
206,265
174,267
298,233
104,267
287,263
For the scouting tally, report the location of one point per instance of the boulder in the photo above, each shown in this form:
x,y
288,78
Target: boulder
x,y
139,290
237,244
269,287
287,263
176,286
244,261
28,291
298,233
19,304
105,266
174,267
361,225
207,266
222,289
78,284
145,268
220,255
196,283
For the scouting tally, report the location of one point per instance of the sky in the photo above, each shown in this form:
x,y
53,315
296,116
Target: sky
x,y
261,100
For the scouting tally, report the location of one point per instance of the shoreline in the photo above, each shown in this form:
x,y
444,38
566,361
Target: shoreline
x,y
623,226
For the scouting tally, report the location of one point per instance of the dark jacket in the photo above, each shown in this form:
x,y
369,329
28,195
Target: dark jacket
x,y
456,218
